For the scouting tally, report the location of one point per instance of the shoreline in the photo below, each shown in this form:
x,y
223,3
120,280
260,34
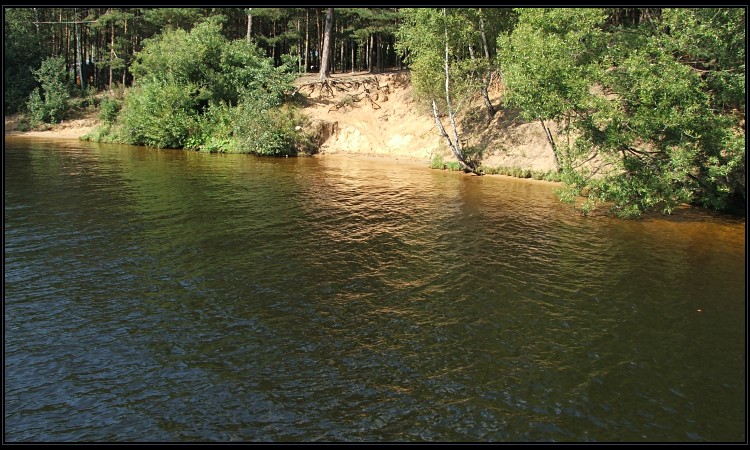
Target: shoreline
x,y
393,130
74,129
69,132
67,129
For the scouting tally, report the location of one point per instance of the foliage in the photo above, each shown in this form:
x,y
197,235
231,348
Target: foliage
x,y
417,38
546,175
263,130
22,53
438,162
49,103
109,108
107,133
160,114
662,144
426,54
213,132
118,56
198,90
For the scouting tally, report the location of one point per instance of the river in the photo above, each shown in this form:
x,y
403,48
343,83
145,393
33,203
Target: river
x,y
173,296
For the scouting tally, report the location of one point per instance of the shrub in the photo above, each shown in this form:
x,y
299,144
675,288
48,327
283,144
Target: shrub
x,y
107,133
159,114
49,103
214,130
109,108
197,90
263,130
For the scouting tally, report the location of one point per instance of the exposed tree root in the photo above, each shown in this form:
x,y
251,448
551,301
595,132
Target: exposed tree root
x,y
368,89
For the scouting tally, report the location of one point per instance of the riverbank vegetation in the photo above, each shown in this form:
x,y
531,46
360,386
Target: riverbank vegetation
x,y
643,108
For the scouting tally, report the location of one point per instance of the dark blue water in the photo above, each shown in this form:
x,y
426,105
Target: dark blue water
x,y
161,295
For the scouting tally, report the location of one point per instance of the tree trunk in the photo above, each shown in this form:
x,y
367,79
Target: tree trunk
x,y
53,37
319,33
249,26
125,35
325,59
307,39
111,52
84,55
343,41
299,47
67,51
273,35
369,53
483,89
96,56
486,78
551,141
380,52
79,56
455,143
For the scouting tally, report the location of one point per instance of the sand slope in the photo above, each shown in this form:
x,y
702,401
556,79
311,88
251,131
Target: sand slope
x,y
396,126
375,115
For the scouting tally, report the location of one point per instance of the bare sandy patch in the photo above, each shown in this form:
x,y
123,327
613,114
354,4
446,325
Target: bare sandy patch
x,y
394,126
67,129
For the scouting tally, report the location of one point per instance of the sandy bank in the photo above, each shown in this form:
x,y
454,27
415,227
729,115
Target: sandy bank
x,y
375,116
67,129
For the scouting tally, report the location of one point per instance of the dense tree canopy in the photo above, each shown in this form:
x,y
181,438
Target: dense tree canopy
x,y
657,101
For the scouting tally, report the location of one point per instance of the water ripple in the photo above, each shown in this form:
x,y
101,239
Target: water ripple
x,y
157,295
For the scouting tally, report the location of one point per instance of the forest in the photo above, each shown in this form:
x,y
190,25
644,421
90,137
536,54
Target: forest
x,y
649,103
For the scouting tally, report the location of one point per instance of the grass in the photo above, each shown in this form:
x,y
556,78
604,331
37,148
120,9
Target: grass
x,y
546,175
438,162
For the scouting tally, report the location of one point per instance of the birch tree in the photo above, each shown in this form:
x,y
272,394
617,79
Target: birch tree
x,y
442,70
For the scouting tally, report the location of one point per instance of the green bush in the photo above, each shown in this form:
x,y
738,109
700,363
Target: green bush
x,y
159,114
197,90
438,162
214,130
48,103
107,133
552,175
263,130
35,106
109,108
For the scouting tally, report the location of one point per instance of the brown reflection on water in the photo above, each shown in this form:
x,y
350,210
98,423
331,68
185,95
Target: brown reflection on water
x,y
344,299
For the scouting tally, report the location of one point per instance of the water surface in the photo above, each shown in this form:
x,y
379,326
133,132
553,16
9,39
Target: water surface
x,y
163,295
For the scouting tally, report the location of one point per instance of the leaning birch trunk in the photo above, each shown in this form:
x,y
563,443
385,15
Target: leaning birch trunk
x,y
455,143
455,148
551,141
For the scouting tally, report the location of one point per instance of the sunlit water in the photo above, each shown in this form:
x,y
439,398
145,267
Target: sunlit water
x,y
163,295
